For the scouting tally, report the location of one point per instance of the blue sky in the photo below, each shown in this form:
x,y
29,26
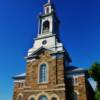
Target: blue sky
x,y
79,31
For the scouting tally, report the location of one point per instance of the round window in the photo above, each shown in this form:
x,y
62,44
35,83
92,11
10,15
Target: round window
x,y
44,42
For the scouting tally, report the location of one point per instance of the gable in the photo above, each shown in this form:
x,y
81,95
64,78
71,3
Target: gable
x,y
38,52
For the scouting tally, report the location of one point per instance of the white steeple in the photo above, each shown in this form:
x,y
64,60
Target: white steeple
x,y
48,30
49,1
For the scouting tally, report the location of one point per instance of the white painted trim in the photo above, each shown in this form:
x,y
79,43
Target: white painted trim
x,y
72,75
49,1
75,95
54,95
20,94
39,73
19,81
39,25
76,92
74,78
31,60
61,89
43,94
32,96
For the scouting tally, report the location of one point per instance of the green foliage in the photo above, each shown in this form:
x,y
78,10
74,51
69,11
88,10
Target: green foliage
x,y
97,95
94,72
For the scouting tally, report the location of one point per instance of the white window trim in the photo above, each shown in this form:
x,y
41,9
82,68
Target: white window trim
x,y
54,96
77,93
32,96
43,94
39,73
74,83
20,94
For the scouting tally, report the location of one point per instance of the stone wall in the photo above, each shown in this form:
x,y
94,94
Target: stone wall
x,y
54,87
58,85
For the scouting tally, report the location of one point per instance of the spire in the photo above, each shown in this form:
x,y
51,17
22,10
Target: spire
x,y
49,1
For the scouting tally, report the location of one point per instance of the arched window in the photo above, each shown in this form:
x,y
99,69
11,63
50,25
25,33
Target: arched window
x,y
43,98
20,97
75,96
43,73
54,98
32,98
46,26
47,10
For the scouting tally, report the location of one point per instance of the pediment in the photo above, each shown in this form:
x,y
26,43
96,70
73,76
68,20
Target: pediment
x,y
38,52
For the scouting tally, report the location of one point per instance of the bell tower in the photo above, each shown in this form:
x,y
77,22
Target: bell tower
x,y
48,21
48,30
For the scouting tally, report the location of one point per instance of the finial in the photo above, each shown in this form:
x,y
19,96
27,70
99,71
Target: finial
x,y
49,1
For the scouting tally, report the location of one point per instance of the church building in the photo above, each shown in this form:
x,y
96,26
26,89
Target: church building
x,y
49,75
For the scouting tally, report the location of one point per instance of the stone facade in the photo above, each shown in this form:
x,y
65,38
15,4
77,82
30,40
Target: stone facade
x,y
60,81
60,84
79,89
56,82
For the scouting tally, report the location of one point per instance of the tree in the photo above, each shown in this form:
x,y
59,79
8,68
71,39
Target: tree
x,y
97,95
94,72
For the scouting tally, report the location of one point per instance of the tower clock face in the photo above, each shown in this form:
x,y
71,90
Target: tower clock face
x,y
44,42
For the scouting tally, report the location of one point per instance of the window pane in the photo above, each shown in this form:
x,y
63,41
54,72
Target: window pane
x,y
43,98
43,73
32,99
75,96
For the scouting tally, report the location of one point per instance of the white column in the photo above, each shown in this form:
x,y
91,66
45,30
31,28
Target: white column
x,y
39,27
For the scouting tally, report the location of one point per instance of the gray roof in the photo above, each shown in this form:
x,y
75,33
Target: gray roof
x,y
70,69
73,69
20,76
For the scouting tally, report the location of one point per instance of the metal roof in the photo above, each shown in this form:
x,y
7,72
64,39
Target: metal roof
x,y
20,76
